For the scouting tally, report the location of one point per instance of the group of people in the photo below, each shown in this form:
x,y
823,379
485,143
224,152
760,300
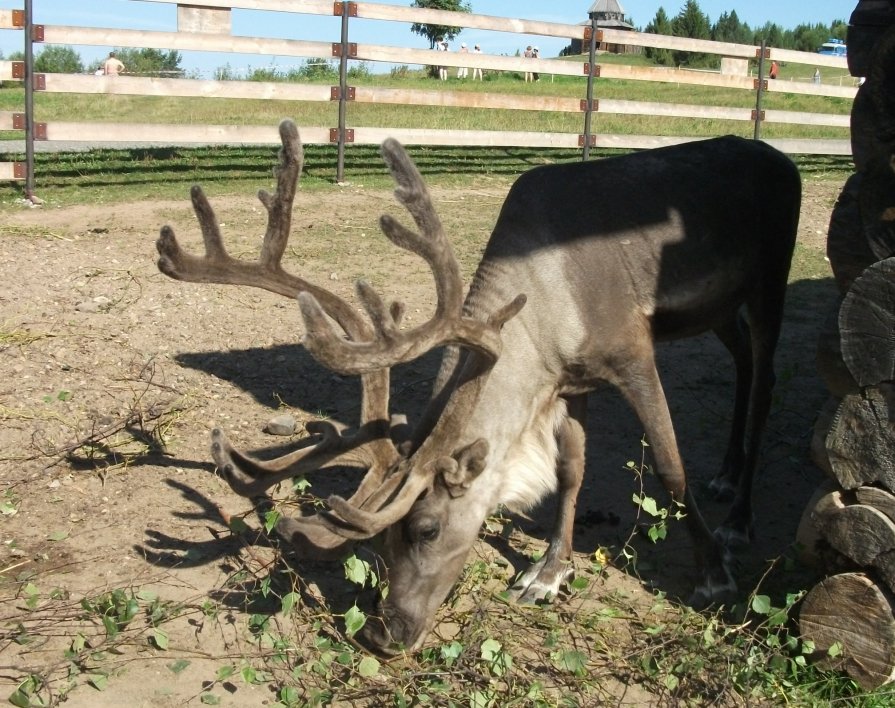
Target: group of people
x,y
775,71
442,45
532,53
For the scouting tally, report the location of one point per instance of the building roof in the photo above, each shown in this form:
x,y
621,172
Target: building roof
x,y
609,13
606,6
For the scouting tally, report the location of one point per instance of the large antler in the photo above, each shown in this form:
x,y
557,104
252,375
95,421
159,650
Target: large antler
x,y
331,445
448,324
392,483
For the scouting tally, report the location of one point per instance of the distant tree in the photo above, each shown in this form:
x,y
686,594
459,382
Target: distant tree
x,y
660,24
728,28
807,38
772,35
839,29
56,59
435,32
691,22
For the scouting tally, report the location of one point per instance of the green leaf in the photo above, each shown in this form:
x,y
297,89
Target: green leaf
x,y
7,508
64,395
160,639
209,699
238,525
657,532
356,570
58,536
571,661
110,625
20,699
23,696
270,519
761,604
290,600
368,667
147,595
98,681
178,666
249,675
355,619
451,652
289,695
225,672
835,650
648,504
579,583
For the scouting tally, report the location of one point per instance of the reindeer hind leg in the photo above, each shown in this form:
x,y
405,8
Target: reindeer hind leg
x,y
736,337
765,315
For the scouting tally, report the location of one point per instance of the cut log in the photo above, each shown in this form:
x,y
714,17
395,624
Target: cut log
x,y
847,246
865,144
879,499
851,530
861,441
867,24
877,205
808,538
854,612
867,324
819,439
881,79
859,532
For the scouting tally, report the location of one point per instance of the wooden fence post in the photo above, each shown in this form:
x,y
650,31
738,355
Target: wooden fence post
x,y
343,92
29,101
589,105
759,90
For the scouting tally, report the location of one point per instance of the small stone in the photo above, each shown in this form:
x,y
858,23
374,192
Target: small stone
x,y
281,425
88,306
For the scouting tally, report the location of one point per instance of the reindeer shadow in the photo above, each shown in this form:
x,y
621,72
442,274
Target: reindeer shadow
x,y
697,375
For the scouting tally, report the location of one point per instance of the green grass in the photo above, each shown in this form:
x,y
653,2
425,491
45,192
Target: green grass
x,y
117,108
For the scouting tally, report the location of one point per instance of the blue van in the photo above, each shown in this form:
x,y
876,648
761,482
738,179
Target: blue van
x,y
833,48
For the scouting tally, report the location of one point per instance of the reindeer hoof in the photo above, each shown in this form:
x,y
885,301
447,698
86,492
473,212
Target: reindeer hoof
x,y
540,584
733,536
713,592
722,488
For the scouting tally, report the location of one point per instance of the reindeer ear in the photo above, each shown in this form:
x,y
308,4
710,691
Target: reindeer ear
x,y
463,467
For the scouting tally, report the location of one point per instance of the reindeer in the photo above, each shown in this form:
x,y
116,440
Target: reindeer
x,y
588,266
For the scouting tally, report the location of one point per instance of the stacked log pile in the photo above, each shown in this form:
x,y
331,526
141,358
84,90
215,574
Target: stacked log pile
x,y
849,526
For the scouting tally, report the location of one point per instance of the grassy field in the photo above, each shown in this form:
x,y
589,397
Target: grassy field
x,y
115,175
49,107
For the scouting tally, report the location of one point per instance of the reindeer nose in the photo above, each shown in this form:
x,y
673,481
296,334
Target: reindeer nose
x,y
389,633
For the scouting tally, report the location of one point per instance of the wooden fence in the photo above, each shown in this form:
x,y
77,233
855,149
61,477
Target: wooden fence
x,y
205,25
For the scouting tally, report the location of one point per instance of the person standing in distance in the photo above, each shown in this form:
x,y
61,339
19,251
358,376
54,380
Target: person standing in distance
x,y
113,65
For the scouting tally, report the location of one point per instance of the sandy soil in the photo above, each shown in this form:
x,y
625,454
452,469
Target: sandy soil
x,y
98,346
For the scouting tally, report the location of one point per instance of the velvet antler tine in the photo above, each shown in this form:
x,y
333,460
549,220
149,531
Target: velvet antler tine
x,y
370,446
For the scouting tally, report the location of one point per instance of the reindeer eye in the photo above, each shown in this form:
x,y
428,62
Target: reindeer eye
x,y
424,530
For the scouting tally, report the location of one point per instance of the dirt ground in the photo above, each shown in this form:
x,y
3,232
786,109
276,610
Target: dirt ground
x,y
98,347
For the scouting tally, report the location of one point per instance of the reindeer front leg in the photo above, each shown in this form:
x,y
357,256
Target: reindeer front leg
x,y
544,578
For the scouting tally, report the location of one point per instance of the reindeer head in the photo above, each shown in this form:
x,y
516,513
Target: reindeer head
x,y
418,491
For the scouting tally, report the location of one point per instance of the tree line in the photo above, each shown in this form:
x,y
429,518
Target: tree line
x,y
690,22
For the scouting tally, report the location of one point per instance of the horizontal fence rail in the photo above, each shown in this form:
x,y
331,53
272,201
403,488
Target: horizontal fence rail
x,y
209,31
